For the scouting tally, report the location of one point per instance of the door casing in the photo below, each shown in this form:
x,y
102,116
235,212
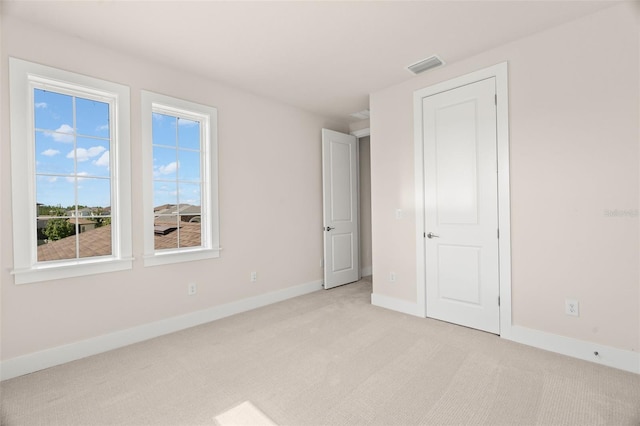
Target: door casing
x,y
500,72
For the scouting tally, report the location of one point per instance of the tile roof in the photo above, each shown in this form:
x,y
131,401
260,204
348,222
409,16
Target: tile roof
x,y
97,242
94,242
189,237
188,209
173,209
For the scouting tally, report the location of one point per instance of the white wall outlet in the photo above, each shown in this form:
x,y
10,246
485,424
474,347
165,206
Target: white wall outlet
x,y
253,277
392,277
192,289
398,213
572,307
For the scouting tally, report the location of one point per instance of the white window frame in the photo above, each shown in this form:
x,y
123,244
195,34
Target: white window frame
x,y
208,118
24,77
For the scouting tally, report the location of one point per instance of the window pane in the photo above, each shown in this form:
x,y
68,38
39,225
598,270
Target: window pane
x,y
55,191
53,111
188,134
165,232
60,240
92,118
63,134
92,156
165,163
165,193
190,194
51,155
189,165
94,240
93,194
164,129
190,234
190,213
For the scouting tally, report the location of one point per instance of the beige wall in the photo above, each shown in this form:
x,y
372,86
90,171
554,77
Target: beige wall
x,y
365,204
574,125
270,206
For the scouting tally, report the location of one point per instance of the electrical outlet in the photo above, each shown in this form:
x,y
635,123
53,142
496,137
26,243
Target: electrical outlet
x,y
392,277
572,307
398,213
253,277
192,289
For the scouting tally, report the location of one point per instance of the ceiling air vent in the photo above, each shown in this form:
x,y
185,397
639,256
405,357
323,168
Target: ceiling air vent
x,y
425,64
361,115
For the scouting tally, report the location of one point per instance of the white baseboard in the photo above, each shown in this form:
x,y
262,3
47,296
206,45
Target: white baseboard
x,y
396,305
611,357
607,355
62,354
366,271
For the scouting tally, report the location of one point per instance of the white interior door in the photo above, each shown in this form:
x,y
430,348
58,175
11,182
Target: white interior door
x,y
461,206
340,208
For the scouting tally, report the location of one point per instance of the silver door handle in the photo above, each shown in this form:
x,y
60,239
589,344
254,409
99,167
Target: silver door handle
x,y
432,235
329,228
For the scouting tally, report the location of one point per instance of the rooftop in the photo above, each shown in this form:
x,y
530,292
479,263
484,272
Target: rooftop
x,y
97,242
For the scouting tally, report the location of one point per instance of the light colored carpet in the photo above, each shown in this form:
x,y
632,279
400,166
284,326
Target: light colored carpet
x,y
327,358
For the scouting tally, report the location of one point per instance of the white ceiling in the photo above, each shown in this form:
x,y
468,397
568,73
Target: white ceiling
x,y
322,56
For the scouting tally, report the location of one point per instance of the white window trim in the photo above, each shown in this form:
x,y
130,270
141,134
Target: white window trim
x,y
209,168
26,268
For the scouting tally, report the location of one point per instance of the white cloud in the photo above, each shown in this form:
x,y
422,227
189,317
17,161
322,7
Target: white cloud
x,y
83,154
102,128
79,175
41,105
50,152
168,169
103,161
52,179
63,133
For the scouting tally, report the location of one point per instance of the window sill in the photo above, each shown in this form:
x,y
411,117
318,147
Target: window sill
x,y
169,257
70,269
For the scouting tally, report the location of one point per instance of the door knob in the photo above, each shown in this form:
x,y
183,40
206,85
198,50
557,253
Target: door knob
x,y
329,228
432,235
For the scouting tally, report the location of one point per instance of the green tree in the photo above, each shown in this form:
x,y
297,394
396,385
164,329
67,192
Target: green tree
x,y
102,221
59,228
47,210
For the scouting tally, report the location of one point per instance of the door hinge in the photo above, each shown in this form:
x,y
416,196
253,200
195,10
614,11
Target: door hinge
x,y
495,99
498,300
424,235
498,233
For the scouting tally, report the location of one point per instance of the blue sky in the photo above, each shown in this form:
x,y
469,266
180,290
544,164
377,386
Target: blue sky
x,y
74,153
68,157
176,160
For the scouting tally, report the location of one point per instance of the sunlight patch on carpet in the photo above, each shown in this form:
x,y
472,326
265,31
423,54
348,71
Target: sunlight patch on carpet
x,y
245,414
